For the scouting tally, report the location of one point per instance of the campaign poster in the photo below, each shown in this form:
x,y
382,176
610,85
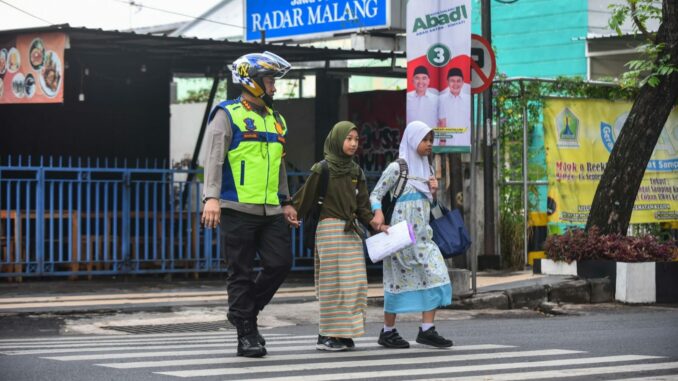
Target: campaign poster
x,y
439,71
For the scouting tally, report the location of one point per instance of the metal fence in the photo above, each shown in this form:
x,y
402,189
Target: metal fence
x,y
66,217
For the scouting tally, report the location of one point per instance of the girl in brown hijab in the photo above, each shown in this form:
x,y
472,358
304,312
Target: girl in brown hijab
x,y
340,275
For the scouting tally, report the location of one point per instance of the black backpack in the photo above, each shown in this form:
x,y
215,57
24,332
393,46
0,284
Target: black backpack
x,y
310,221
389,200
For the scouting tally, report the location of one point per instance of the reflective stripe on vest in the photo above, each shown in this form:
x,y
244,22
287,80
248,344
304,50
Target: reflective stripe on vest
x,y
252,164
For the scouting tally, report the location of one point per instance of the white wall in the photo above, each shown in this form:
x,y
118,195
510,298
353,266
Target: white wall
x,y
184,129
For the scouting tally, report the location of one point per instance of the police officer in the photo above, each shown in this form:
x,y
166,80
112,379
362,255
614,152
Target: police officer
x,y
246,192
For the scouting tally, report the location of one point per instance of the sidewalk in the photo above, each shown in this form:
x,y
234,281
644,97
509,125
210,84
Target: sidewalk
x,y
144,293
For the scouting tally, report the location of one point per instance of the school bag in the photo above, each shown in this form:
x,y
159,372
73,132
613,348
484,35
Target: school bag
x,y
449,231
389,200
310,221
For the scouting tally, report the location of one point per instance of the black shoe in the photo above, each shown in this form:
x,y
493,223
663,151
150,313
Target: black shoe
x,y
432,338
392,339
249,339
347,342
261,339
249,346
333,344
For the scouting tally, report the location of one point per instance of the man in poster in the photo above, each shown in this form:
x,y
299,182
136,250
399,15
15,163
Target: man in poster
x,y
454,104
422,102
439,40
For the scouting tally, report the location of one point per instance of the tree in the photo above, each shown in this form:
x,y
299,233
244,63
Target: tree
x,y
613,202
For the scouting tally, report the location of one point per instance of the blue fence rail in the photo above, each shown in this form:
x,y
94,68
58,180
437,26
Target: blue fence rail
x,y
65,217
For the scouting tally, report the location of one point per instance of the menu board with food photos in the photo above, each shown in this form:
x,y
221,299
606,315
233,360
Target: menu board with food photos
x,y
32,68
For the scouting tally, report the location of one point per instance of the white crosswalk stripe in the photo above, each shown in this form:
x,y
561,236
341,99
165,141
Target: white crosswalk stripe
x,y
95,348
433,369
210,356
384,362
577,372
282,357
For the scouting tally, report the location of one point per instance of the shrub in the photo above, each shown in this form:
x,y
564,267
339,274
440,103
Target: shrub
x,y
512,241
577,244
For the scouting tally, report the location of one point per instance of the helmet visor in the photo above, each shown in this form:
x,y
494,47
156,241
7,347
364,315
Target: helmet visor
x,y
279,66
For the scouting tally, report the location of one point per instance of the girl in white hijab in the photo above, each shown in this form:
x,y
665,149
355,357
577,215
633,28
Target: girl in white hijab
x,y
415,278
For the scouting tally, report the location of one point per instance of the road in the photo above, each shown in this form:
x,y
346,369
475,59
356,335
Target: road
x,y
592,342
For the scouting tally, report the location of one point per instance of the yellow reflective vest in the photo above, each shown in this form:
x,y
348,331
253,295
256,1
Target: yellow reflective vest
x,y
252,162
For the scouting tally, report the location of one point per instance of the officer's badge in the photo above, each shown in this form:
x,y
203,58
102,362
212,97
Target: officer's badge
x,y
278,128
249,124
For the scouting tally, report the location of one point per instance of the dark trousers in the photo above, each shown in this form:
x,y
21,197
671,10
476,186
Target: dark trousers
x,y
244,235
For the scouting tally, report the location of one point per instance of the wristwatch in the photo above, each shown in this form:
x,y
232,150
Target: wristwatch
x,y
286,202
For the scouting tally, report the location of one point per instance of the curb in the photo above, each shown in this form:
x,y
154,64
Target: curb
x,y
575,291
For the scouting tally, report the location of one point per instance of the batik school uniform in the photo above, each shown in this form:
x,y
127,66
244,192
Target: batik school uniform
x,y
340,275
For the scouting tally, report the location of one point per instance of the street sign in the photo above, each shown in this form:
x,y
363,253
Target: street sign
x,y
483,64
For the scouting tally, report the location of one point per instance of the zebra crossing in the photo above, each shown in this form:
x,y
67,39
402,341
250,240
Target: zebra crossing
x,y
210,356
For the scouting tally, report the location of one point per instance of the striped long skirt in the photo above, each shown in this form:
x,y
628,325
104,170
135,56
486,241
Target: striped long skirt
x,y
340,280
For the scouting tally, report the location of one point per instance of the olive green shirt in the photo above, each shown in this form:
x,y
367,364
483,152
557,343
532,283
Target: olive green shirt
x,y
346,198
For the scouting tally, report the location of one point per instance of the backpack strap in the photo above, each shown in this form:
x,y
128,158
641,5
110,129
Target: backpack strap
x,y
399,187
324,180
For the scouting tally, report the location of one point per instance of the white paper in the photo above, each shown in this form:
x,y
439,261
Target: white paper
x,y
380,246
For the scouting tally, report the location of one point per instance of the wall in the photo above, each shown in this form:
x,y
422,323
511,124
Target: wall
x,y
124,114
538,38
299,115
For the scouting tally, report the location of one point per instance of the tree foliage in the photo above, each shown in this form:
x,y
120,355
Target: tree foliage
x,y
657,78
513,98
655,61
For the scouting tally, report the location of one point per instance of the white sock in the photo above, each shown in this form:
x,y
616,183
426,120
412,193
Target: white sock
x,y
426,326
388,329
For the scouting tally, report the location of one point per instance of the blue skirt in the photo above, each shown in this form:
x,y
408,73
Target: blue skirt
x,y
419,300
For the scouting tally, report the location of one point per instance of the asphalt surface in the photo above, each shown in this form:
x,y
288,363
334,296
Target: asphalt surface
x,y
602,342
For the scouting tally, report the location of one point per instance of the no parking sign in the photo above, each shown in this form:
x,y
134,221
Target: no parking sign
x,y
483,64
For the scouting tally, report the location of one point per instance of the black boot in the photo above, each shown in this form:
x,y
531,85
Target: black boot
x,y
262,341
248,338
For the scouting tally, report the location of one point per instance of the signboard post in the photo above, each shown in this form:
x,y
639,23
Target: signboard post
x,y
281,20
578,137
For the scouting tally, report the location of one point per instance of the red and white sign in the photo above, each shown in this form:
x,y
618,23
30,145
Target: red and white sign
x,y
483,64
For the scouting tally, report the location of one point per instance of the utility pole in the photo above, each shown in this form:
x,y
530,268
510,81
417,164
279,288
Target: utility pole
x,y
491,259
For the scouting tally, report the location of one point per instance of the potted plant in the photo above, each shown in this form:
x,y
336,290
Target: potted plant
x,y
558,250
641,269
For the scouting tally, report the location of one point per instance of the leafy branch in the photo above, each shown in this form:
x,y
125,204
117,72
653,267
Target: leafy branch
x,y
655,62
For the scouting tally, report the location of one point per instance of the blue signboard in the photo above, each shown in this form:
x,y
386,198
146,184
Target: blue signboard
x,y
296,18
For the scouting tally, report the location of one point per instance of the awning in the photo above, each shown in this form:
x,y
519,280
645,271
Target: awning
x,y
192,55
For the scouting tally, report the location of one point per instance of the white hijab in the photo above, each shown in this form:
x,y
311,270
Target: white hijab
x,y
417,165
